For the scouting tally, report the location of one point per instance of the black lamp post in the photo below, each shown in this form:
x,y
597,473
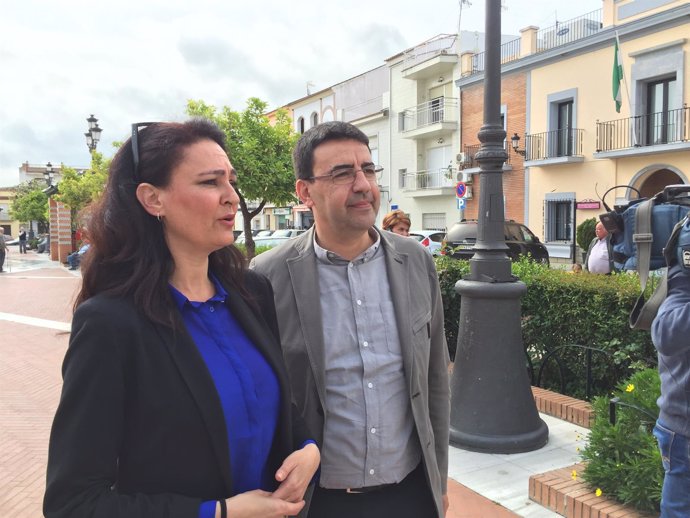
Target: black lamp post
x,y
492,407
94,133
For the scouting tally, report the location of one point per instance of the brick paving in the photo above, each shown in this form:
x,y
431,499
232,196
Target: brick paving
x,y
30,381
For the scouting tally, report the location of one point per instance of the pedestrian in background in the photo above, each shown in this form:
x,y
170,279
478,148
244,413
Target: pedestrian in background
x,y
397,222
3,249
361,322
671,337
175,400
22,240
599,258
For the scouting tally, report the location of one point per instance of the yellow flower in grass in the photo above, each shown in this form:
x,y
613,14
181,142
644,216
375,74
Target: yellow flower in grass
x,y
630,387
598,492
573,475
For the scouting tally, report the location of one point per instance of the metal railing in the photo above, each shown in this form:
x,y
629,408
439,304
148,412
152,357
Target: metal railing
x,y
510,51
644,130
569,31
441,44
553,353
441,109
470,152
429,179
547,38
554,144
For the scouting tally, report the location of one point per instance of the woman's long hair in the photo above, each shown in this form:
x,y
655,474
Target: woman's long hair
x,y
129,256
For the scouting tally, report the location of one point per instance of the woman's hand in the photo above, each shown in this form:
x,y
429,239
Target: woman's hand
x,y
296,472
261,504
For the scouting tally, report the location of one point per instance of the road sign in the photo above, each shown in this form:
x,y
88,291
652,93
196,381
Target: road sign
x,y
460,189
462,203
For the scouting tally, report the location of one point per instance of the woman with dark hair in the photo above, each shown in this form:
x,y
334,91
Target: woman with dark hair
x,y
175,401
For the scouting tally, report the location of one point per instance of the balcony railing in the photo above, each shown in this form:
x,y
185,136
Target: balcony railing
x,y
430,179
441,109
470,152
569,31
554,144
644,130
547,38
510,51
442,44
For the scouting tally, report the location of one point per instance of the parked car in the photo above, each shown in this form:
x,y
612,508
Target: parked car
x,y
9,238
429,239
287,232
263,233
270,241
521,241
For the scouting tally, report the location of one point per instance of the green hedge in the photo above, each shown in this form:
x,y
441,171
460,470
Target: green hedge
x,y
561,308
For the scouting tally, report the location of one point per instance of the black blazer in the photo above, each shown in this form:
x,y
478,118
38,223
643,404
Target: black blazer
x,y
139,431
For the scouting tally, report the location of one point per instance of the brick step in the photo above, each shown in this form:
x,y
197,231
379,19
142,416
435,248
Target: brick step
x,y
569,496
563,407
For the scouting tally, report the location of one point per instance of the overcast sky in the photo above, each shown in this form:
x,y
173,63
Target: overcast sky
x,y
140,60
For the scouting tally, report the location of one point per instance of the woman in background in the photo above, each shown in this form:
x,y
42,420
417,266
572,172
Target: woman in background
x,y
397,222
175,401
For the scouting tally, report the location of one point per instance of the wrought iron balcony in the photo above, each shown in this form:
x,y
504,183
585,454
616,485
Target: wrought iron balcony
x,y
430,117
560,143
430,179
652,129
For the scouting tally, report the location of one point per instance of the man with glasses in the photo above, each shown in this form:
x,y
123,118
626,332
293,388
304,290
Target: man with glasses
x,y
361,325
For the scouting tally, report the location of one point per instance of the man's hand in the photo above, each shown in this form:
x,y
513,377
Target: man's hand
x,y
296,472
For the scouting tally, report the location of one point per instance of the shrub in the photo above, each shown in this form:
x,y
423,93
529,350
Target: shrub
x,y
623,460
257,251
562,309
585,233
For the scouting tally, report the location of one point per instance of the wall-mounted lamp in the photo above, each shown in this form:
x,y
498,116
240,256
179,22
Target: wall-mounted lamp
x,y
48,174
515,141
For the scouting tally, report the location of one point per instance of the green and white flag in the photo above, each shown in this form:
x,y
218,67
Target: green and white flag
x,y
617,77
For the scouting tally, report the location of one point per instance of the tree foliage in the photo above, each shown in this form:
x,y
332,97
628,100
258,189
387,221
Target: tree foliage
x,y
79,190
31,203
585,233
260,152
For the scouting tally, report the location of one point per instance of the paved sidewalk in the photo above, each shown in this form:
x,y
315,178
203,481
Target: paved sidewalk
x,y
35,311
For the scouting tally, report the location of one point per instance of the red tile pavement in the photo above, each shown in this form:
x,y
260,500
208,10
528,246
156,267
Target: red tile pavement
x,y
30,381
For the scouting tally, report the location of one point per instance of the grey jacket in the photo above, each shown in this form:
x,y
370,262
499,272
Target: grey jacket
x,y
292,270
671,337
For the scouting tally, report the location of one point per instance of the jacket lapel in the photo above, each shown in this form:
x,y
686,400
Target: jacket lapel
x,y
195,374
305,285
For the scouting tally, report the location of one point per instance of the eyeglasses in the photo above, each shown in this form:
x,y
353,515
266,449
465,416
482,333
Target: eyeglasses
x,y
347,175
135,147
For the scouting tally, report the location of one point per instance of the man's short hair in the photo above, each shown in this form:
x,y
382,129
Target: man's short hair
x,y
303,155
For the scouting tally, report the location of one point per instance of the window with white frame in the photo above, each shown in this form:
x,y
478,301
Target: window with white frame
x,y
300,125
559,217
560,137
314,119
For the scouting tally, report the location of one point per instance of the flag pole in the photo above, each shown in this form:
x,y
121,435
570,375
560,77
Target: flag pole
x,y
619,60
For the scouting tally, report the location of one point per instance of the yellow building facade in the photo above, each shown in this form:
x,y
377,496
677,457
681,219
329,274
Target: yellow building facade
x,y
578,146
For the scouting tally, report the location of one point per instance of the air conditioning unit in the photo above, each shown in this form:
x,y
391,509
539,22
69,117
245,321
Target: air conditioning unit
x,y
464,177
468,193
460,158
